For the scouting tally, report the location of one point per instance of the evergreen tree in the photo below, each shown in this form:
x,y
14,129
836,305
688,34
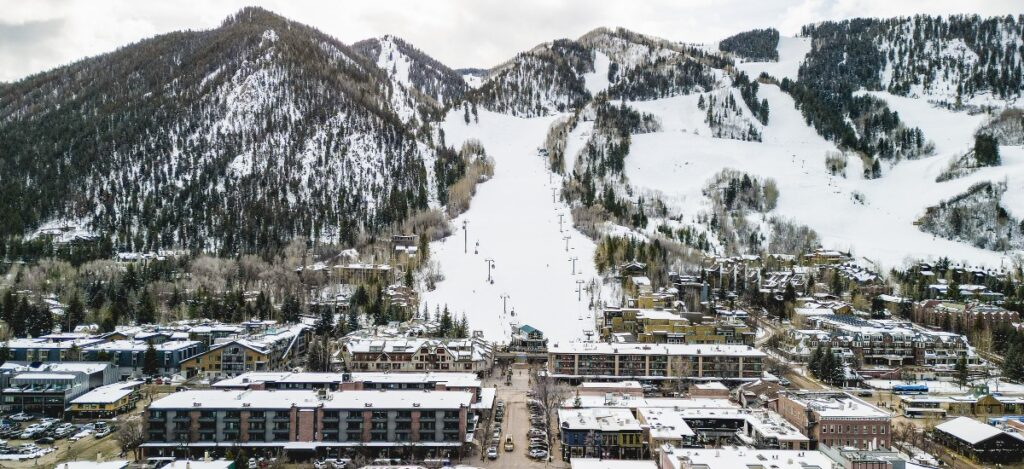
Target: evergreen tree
x,y
10,307
446,323
75,312
150,363
17,321
146,309
837,284
291,309
814,363
5,353
953,290
131,280
961,371
353,320
325,322
73,354
986,150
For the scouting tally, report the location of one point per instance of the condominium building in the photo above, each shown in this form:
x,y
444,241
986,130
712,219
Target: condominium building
x,y
836,419
312,423
701,362
129,356
389,354
271,348
664,326
419,381
884,342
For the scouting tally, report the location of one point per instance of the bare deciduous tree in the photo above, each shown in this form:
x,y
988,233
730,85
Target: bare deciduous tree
x,y
131,434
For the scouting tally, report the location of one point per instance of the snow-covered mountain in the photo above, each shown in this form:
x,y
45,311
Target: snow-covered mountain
x,y
414,69
263,129
232,139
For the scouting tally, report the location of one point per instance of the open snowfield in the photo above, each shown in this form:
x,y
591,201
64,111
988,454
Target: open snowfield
x,y
791,52
678,161
516,224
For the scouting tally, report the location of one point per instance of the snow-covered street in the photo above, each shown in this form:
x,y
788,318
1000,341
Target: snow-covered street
x,y
514,222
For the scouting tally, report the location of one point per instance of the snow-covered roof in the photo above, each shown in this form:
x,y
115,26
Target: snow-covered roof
x,y
270,399
732,457
92,465
107,394
969,430
598,419
656,349
837,405
592,463
140,346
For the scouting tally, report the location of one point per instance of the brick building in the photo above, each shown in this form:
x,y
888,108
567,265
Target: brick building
x,y
836,419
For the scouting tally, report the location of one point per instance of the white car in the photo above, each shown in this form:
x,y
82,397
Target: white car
x,y
492,453
538,454
80,435
21,417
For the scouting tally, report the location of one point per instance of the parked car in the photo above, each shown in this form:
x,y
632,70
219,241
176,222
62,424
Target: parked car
x,y
784,382
44,440
21,417
538,454
492,453
104,432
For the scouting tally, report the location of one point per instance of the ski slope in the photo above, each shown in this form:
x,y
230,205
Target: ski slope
x,y
792,51
874,219
513,221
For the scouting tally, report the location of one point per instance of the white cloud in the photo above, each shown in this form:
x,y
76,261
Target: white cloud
x,y
41,34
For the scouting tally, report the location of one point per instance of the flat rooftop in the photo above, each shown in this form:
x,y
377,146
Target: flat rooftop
x,y
273,399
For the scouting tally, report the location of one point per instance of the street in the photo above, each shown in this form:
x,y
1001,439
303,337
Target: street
x,y
516,425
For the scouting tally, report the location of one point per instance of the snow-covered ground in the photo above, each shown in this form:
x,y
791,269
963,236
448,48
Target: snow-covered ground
x,y
678,161
791,53
516,224
950,387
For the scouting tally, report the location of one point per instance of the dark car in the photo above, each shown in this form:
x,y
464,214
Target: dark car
x,y
44,440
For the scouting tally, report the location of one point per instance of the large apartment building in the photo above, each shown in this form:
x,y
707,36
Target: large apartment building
x,y
836,419
377,354
881,342
664,326
698,362
268,349
309,423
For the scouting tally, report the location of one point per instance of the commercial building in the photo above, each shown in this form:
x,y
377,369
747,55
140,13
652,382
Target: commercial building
x,y
734,457
604,433
980,442
699,362
309,423
48,389
107,401
694,427
836,419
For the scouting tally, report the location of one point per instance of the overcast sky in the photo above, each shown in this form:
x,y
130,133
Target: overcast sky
x,y
36,35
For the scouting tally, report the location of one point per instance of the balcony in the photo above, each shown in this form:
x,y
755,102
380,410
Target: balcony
x,y
181,418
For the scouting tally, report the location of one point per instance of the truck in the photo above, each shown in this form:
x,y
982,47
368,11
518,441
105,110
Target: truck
x,y
509,445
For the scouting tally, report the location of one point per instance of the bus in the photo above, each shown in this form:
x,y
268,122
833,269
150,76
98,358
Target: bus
x,y
910,389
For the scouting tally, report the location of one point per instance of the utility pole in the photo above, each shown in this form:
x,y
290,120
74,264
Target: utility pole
x,y
504,300
465,237
566,238
573,260
490,265
579,290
